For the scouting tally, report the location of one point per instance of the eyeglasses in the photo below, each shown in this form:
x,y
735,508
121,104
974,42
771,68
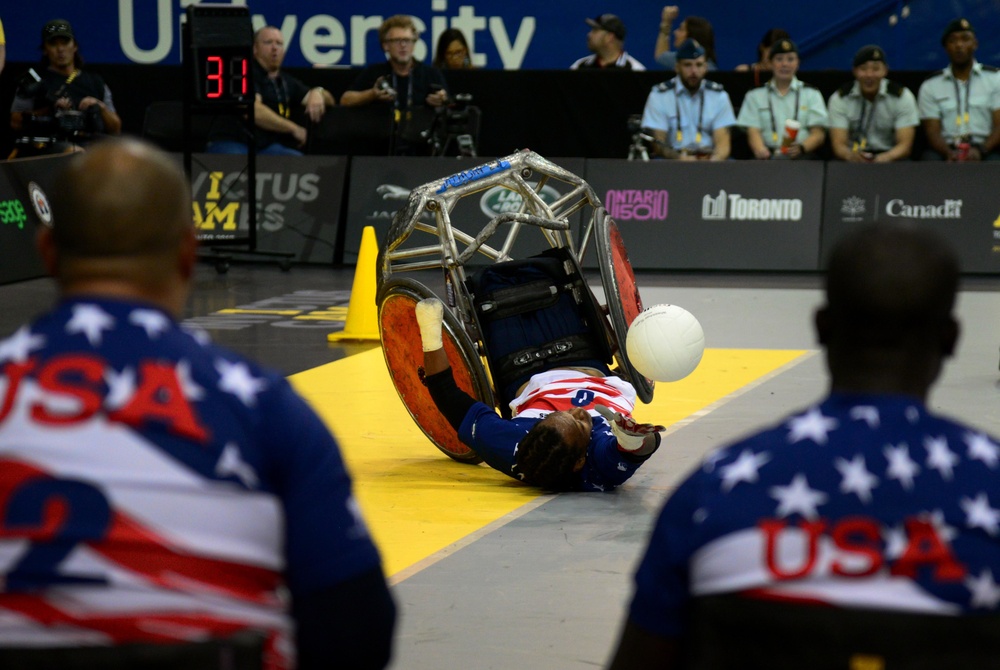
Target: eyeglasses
x,y
399,41
460,53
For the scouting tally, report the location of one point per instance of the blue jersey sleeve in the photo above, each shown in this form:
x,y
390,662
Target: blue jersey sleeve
x,y
326,539
606,466
662,579
492,437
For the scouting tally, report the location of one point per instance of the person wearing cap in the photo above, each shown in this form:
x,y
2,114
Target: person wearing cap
x,y
606,41
158,489
66,89
689,115
767,110
872,119
692,27
960,106
278,94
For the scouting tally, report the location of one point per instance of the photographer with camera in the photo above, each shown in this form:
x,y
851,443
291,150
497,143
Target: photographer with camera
x,y
413,90
61,107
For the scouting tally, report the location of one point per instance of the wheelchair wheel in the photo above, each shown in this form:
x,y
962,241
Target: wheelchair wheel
x,y
622,294
403,354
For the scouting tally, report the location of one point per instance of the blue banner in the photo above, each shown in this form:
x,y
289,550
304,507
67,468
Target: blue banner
x,y
516,34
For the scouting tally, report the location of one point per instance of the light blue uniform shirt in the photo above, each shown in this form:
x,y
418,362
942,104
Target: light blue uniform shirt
x,y
767,110
963,107
688,119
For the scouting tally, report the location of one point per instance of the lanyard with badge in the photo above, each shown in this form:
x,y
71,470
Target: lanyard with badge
x,y
409,97
864,126
278,84
680,125
770,108
961,118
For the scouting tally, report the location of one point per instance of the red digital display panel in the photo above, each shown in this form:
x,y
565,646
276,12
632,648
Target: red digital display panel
x,y
223,77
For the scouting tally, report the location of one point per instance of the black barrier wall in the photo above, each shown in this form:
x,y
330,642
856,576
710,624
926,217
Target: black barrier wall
x,y
732,216
23,207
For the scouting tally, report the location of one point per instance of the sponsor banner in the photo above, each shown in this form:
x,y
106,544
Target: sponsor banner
x,y
958,201
298,203
713,216
24,204
381,185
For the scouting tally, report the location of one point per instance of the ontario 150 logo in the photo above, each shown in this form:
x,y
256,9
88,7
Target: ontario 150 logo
x,y
501,200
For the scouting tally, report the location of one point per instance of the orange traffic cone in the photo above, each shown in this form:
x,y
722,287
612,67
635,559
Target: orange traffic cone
x,y
362,317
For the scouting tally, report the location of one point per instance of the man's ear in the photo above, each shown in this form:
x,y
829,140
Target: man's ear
x,y
188,255
46,246
949,338
821,320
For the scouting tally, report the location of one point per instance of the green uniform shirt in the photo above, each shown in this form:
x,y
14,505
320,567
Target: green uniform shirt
x,y
872,125
767,110
963,107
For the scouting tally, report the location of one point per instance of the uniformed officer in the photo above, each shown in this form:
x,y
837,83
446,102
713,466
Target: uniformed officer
x,y
960,106
767,109
690,116
872,119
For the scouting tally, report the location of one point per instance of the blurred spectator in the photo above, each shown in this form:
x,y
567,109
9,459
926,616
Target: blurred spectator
x,y
452,51
63,103
694,27
210,499
763,65
277,94
872,119
960,107
606,41
409,88
770,112
690,116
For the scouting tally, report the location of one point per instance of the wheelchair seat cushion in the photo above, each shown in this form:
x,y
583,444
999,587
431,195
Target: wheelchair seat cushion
x,y
535,315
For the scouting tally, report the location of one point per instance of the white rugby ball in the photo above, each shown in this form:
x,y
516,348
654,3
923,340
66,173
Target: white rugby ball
x,y
665,343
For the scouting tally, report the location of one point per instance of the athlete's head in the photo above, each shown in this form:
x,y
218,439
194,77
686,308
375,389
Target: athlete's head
x,y
121,224
555,450
887,324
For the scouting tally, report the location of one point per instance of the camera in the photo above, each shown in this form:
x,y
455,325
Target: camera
x,y
51,132
383,85
457,122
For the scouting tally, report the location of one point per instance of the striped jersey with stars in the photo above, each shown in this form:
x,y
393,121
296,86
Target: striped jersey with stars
x,y
156,488
866,501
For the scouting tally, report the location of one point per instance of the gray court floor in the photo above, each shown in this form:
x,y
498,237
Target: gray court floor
x,y
547,589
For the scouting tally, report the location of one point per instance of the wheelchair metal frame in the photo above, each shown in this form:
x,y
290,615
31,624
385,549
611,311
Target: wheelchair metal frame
x,y
450,247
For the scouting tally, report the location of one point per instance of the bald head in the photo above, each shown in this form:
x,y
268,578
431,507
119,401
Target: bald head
x,y
890,293
121,213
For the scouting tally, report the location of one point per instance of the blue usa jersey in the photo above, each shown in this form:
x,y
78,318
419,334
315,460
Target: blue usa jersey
x,y
155,488
863,501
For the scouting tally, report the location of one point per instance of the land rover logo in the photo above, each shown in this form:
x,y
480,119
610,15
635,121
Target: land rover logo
x,y
500,200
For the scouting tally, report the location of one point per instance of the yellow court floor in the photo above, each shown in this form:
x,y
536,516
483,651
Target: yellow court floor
x,y
420,504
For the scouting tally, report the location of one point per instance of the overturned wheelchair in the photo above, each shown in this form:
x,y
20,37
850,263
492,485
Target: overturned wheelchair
x,y
550,219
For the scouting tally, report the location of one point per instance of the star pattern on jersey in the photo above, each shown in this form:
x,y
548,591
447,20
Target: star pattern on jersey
x,y
237,379
153,322
713,459
798,498
91,321
744,469
984,589
231,463
901,466
867,413
121,387
189,387
18,347
940,457
812,425
856,478
979,514
982,448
